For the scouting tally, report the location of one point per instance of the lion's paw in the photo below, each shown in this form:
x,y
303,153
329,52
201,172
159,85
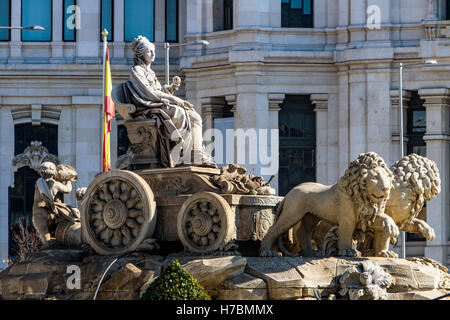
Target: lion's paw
x,y
391,229
349,253
270,253
386,254
426,231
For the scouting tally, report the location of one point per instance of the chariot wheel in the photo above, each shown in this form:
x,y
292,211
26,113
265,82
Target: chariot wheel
x,y
205,222
118,212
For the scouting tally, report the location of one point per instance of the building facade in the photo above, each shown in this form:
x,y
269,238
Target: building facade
x,y
322,75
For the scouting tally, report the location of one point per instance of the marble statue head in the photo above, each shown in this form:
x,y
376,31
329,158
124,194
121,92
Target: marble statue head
x,y
144,50
47,169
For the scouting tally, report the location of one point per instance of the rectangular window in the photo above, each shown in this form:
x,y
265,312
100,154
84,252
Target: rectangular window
x,y
107,9
171,20
37,12
447,5
227,14
69,20
139,16
416,123
297,14
5,13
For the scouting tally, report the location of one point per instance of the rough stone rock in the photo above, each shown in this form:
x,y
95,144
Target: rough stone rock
x,y
32,286
45,276
284,281
243,287
122,285
212,272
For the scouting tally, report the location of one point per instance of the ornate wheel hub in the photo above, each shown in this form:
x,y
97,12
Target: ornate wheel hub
x,y
203,222
119,212
115,214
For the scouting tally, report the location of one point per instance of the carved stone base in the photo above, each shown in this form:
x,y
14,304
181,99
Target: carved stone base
x,y
144,150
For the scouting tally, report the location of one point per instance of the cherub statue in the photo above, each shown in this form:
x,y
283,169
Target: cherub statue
x,y
179,125
48,210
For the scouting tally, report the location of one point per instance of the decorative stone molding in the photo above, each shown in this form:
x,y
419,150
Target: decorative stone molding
x,y
437,103
231,100
432,10
395,103
320,101
36,114
275,100
212,107
33,156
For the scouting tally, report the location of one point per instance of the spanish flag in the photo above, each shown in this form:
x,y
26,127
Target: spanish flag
x,y
109,113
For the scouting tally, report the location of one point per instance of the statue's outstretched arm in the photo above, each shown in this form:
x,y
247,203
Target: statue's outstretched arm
x,y
64,188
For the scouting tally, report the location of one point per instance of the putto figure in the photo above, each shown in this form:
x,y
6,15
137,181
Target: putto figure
x,y
179,125
48,210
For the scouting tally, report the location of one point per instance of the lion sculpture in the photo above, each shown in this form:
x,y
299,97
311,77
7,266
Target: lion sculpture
x,y
416,180
358,199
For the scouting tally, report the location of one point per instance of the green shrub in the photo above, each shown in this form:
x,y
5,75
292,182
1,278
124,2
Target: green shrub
x,y
175,283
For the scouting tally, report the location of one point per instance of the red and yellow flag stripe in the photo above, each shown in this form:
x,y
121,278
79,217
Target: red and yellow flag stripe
x,y
109,113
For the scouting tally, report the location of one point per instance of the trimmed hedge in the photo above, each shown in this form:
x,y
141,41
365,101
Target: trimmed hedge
x,y
175,283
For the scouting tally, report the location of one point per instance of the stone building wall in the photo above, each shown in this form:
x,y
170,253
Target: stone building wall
x,y
348,71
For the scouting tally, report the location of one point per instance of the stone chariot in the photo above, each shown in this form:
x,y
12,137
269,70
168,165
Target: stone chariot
x,y
207,209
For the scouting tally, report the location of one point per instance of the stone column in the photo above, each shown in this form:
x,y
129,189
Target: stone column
x,y
357,112
251,115
321,109
88,36
212,107
66,146
395,124
343,120
15,46
88,124
379,110
6,176
57,33
437,137
119,44
275,100
194,16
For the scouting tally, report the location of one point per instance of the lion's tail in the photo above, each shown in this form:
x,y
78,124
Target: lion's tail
x,y
280,244
279,209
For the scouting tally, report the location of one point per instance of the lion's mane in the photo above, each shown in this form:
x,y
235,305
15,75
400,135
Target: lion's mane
x,y
420,176
354,184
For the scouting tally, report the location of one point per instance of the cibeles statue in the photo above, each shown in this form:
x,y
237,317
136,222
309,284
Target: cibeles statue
x,y
179,126
54,220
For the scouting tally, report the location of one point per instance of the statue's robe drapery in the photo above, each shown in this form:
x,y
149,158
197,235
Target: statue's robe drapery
x,y
175,123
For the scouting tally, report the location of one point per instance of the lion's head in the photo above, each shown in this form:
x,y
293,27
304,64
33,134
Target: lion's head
x,y
368,181
420,176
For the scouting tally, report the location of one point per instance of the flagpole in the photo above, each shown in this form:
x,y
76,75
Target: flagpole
x,y
105,44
